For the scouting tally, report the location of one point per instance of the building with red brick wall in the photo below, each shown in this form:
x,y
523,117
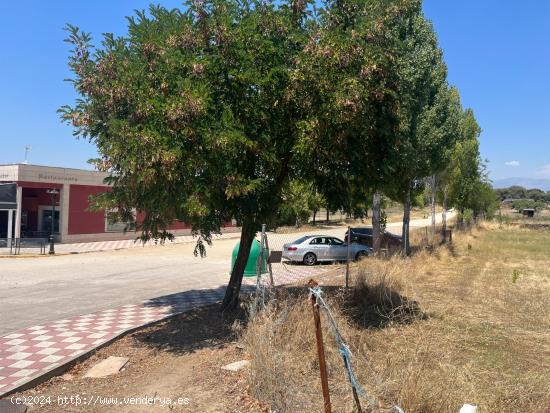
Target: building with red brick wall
x,y
31,215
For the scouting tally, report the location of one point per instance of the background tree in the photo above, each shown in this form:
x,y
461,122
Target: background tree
x,y
351,65
301,200
521,204
316,202
427,111
441,125
468,185
536,195
435,136
513,192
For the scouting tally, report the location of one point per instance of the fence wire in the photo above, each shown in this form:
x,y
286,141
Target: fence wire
x,y
345,351
277,271
286,271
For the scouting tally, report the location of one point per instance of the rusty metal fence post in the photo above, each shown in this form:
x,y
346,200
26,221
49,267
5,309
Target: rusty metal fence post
x,y
320,348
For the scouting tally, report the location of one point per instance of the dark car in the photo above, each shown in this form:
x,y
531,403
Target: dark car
x,y
389,242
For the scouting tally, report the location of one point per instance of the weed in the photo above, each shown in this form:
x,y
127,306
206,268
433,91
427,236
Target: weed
x,y
515,275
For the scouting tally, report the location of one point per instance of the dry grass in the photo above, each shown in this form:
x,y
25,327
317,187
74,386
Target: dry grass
x,y
467,323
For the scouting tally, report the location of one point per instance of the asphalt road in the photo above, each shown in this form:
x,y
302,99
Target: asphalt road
x,y
38,290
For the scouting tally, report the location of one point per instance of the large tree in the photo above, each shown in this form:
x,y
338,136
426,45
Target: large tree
x,y
429,114
423,110
196,115
351,66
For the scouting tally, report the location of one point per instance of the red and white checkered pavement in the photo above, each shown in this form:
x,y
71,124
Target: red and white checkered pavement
x,y
130,243
31,354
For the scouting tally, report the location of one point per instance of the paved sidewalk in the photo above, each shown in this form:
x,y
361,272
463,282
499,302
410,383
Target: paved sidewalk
x,y
32,355
130,243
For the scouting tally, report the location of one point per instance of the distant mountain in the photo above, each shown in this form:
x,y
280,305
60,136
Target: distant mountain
x,y
528,183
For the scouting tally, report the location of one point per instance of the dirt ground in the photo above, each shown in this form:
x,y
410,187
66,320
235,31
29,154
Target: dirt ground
x,y
464,323
176,364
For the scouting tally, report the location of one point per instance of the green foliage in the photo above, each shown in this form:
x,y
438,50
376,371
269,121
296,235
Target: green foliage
x,y
420,200
301,199
537,195
350,67
513,192
263,111
466,181
196,114
485,201
467,216
515,276
519,192
521,204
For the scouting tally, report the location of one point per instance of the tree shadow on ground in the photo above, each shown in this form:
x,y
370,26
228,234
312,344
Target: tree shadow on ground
x,y
198,321
365,306
203,327
198,324
380,306
451,248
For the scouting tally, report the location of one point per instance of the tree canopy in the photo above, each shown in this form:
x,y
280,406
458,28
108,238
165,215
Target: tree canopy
x,y
226,110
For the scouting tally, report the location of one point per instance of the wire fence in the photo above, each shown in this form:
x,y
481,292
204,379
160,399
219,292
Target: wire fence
x,y
346,354
317,250
284,265
265,281
288,268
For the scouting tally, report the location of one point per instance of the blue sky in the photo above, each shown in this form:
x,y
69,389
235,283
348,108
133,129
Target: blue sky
x,y
498,54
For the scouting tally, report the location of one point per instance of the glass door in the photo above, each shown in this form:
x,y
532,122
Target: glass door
x,y
47,221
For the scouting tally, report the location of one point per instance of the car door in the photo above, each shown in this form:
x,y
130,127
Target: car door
x,y
319,246
338,250
314,247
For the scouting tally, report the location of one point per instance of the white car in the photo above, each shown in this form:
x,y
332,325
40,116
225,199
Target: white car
x,y
311,249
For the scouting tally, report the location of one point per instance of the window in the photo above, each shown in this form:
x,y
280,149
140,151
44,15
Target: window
x,y
336,241
115,226
363,231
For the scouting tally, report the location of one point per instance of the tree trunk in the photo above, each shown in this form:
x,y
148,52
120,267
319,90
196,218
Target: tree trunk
x,y
231,299
433,185
328,216
444,216
314,215
406,223
376,222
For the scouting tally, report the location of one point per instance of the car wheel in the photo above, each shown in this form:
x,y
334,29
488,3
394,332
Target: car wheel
x,y
310,259
360,255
